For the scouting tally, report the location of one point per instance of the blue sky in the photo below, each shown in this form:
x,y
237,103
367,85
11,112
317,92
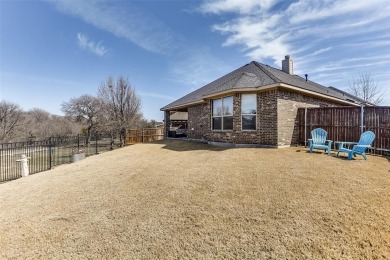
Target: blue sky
x,y
51,51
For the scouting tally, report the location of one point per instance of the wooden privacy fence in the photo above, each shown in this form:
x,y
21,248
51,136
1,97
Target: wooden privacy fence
x,y
347,124
144,135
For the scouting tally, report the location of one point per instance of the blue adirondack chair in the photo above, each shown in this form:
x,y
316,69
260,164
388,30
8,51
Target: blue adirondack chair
x,y
318,140
365,142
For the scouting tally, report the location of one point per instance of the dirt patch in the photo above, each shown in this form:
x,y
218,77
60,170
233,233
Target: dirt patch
x,y
175,200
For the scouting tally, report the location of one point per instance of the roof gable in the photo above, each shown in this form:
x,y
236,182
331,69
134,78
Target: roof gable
x,y
248,80
255,75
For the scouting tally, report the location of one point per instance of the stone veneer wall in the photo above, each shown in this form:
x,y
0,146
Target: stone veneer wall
x,y
287,110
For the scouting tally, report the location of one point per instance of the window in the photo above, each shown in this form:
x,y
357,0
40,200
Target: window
x,y
223,114
248,111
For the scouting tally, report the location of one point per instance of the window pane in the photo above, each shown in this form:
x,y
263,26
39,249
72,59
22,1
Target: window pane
x,y
248,104
228,123
217,123
228,106
248,122
217,107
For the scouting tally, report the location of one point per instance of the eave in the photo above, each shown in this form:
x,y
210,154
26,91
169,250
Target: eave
x,y
262,89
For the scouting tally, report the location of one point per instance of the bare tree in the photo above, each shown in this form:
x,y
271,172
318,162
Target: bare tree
x,y
11,120
63,126
42,124
84,109
367,89
144,123
121,104
38,121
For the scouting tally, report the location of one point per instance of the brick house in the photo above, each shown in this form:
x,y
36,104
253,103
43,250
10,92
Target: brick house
x,y
254,105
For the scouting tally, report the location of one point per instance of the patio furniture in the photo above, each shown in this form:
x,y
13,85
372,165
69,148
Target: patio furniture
x,y
318,140
365,142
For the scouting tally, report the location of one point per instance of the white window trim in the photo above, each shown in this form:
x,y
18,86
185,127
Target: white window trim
x,y
212,116
248,130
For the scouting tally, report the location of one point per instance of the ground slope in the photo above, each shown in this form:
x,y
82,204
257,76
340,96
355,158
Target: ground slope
x,y
183,200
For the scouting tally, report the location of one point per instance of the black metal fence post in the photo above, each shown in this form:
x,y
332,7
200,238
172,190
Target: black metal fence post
x,y
50,145
78,142
46,154
96,143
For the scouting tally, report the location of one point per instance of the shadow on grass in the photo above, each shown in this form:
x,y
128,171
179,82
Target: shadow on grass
x,y
307,151
182,145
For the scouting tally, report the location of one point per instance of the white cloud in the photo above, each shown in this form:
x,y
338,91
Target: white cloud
x,y
156,95
302,26
190,65
241,6
96,48
132,23
321,51
329,40
306,10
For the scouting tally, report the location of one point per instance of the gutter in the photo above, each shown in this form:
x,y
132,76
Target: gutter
x,y
261,89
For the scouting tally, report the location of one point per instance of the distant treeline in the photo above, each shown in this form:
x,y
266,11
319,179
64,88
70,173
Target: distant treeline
x,y
115,109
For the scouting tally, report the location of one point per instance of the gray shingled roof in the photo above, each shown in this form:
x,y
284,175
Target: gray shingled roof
x,y
254,75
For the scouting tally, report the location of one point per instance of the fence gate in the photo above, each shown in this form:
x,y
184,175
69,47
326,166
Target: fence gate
x,y
144,135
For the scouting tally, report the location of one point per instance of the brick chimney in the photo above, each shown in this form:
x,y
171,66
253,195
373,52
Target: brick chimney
x,y
287,65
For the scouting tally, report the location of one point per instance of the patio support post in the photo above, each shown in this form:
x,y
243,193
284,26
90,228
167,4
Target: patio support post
x,y
305,125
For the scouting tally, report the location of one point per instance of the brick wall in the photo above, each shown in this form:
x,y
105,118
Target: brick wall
x,y
199,120
277,123
236,135
226,136
167,122
268,117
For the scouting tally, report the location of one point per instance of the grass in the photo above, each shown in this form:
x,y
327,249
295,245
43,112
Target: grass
x,y
183,200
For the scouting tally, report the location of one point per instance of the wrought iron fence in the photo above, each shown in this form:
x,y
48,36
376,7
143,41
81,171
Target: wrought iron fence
x,y
45,154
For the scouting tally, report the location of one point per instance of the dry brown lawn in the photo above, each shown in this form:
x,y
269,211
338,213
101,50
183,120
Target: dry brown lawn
x,y
183,200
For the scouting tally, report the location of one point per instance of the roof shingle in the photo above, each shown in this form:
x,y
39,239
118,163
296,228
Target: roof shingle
x,y
254,75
